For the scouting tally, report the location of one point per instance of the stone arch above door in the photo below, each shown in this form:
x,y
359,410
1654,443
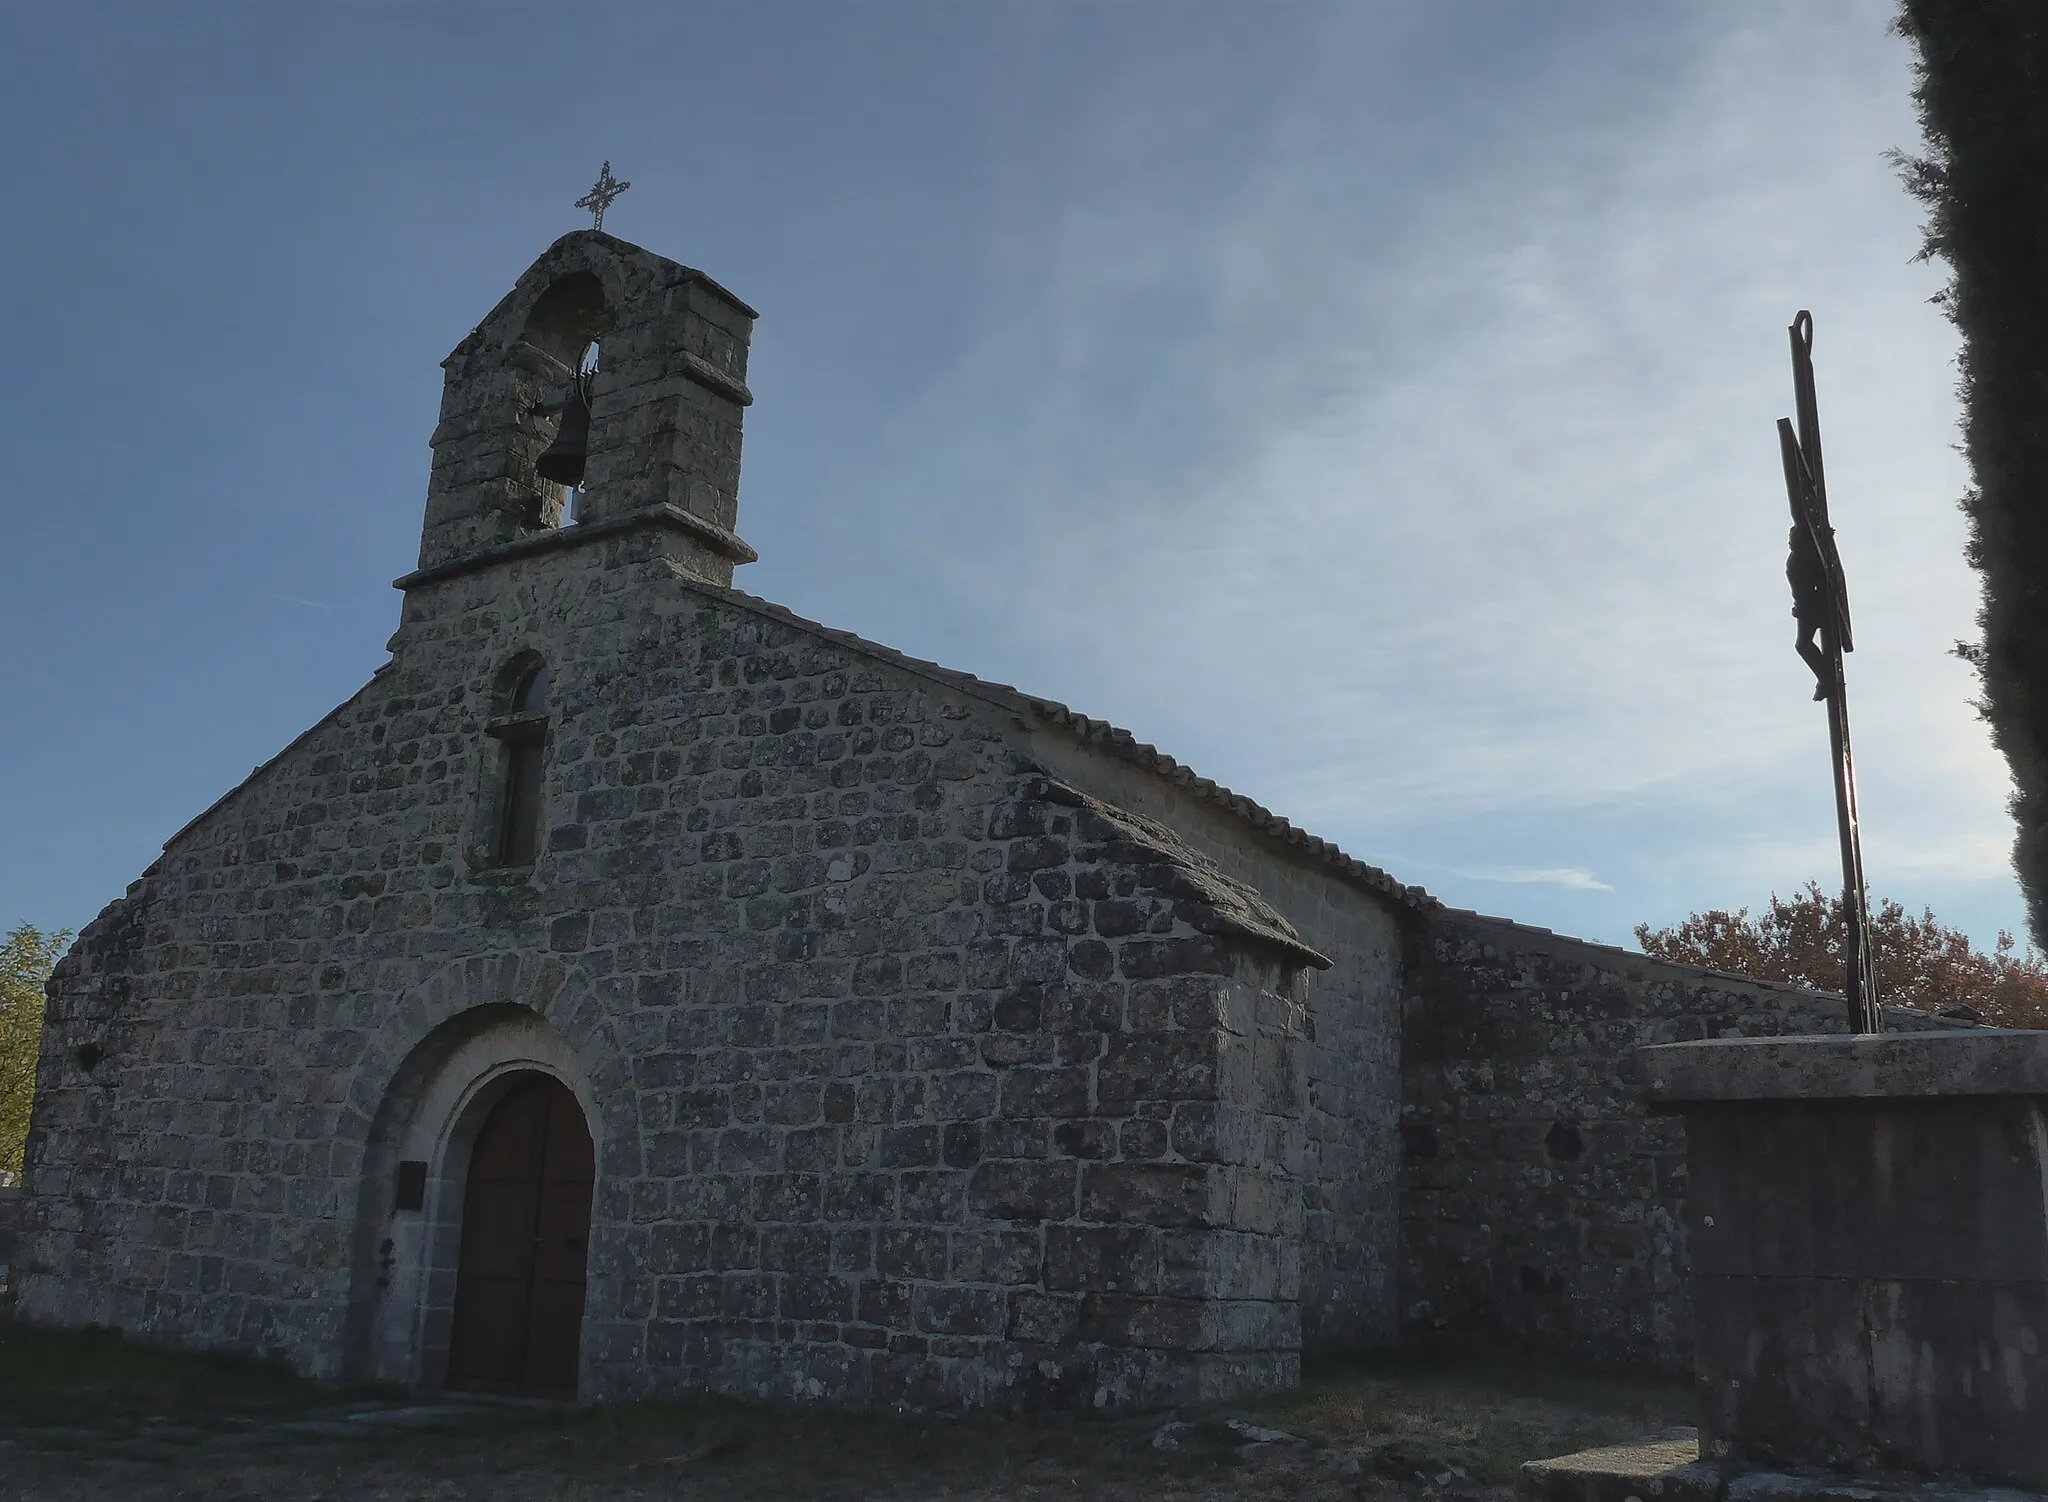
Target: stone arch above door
x,y
409,1219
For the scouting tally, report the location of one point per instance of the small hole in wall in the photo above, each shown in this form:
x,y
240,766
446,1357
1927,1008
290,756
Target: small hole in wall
x,y
1563,1142
1418,1142
88,1056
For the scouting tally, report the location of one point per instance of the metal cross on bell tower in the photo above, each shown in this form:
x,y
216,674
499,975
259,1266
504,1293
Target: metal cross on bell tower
x,y
600,197
1820,606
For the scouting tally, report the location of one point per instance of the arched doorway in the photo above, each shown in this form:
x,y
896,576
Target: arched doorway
x,y
525,1241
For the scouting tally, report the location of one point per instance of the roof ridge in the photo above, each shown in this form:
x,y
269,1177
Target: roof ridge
x,y
1092,731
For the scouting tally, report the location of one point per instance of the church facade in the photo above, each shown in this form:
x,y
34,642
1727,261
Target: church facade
x,y
636,990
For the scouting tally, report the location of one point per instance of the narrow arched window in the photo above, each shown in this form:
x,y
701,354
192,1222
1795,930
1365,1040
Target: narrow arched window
x,y
523,737
531,695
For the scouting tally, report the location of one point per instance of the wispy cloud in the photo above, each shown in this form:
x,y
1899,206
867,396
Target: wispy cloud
x,y
1450,496
295,600
1571,878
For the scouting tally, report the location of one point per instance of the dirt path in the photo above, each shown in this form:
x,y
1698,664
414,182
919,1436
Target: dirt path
x,y
88,1418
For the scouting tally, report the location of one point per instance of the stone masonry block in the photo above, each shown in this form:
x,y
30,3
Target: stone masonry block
x,y
1014,1189
1178,1065
1149,1194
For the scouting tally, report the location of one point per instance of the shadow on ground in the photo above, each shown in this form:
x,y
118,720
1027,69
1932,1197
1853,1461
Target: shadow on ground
x,y
89,1415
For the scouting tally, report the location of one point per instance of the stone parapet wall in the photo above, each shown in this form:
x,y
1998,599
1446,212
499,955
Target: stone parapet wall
x,y
1868,1224
1542,1208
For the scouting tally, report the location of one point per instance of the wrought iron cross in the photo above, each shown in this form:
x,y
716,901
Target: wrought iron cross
x,y
600,197
1820,606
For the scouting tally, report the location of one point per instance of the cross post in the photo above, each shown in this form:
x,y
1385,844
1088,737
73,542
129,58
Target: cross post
x,y
1820,605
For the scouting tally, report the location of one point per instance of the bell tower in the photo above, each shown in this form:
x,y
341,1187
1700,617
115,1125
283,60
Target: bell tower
x,y
664,406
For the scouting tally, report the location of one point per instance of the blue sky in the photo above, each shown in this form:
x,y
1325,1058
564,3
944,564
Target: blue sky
x,y
1371,404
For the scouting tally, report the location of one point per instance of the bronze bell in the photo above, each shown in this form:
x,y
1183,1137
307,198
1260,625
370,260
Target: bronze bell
x,y
562,460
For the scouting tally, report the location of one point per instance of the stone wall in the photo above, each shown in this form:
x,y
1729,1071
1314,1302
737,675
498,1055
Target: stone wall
x,y
1354,1088
916,1076
1542,1209
10,1225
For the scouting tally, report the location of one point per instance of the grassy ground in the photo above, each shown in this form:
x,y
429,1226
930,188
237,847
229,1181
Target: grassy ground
x,y
1485,1419
91,1416
94,1380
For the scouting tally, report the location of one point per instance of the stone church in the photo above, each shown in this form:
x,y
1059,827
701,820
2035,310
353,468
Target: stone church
x,y
636,990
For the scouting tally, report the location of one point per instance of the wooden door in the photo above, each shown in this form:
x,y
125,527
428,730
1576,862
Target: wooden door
x,y
525,1230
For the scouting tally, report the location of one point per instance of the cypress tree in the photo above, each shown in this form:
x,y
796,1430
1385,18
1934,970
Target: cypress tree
x,y
1981,87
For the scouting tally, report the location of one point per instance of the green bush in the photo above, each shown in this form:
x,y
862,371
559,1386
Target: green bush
x,y
26,957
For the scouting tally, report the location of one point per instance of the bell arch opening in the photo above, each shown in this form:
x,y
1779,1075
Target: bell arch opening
x,y
568,317
565,324
408,1243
